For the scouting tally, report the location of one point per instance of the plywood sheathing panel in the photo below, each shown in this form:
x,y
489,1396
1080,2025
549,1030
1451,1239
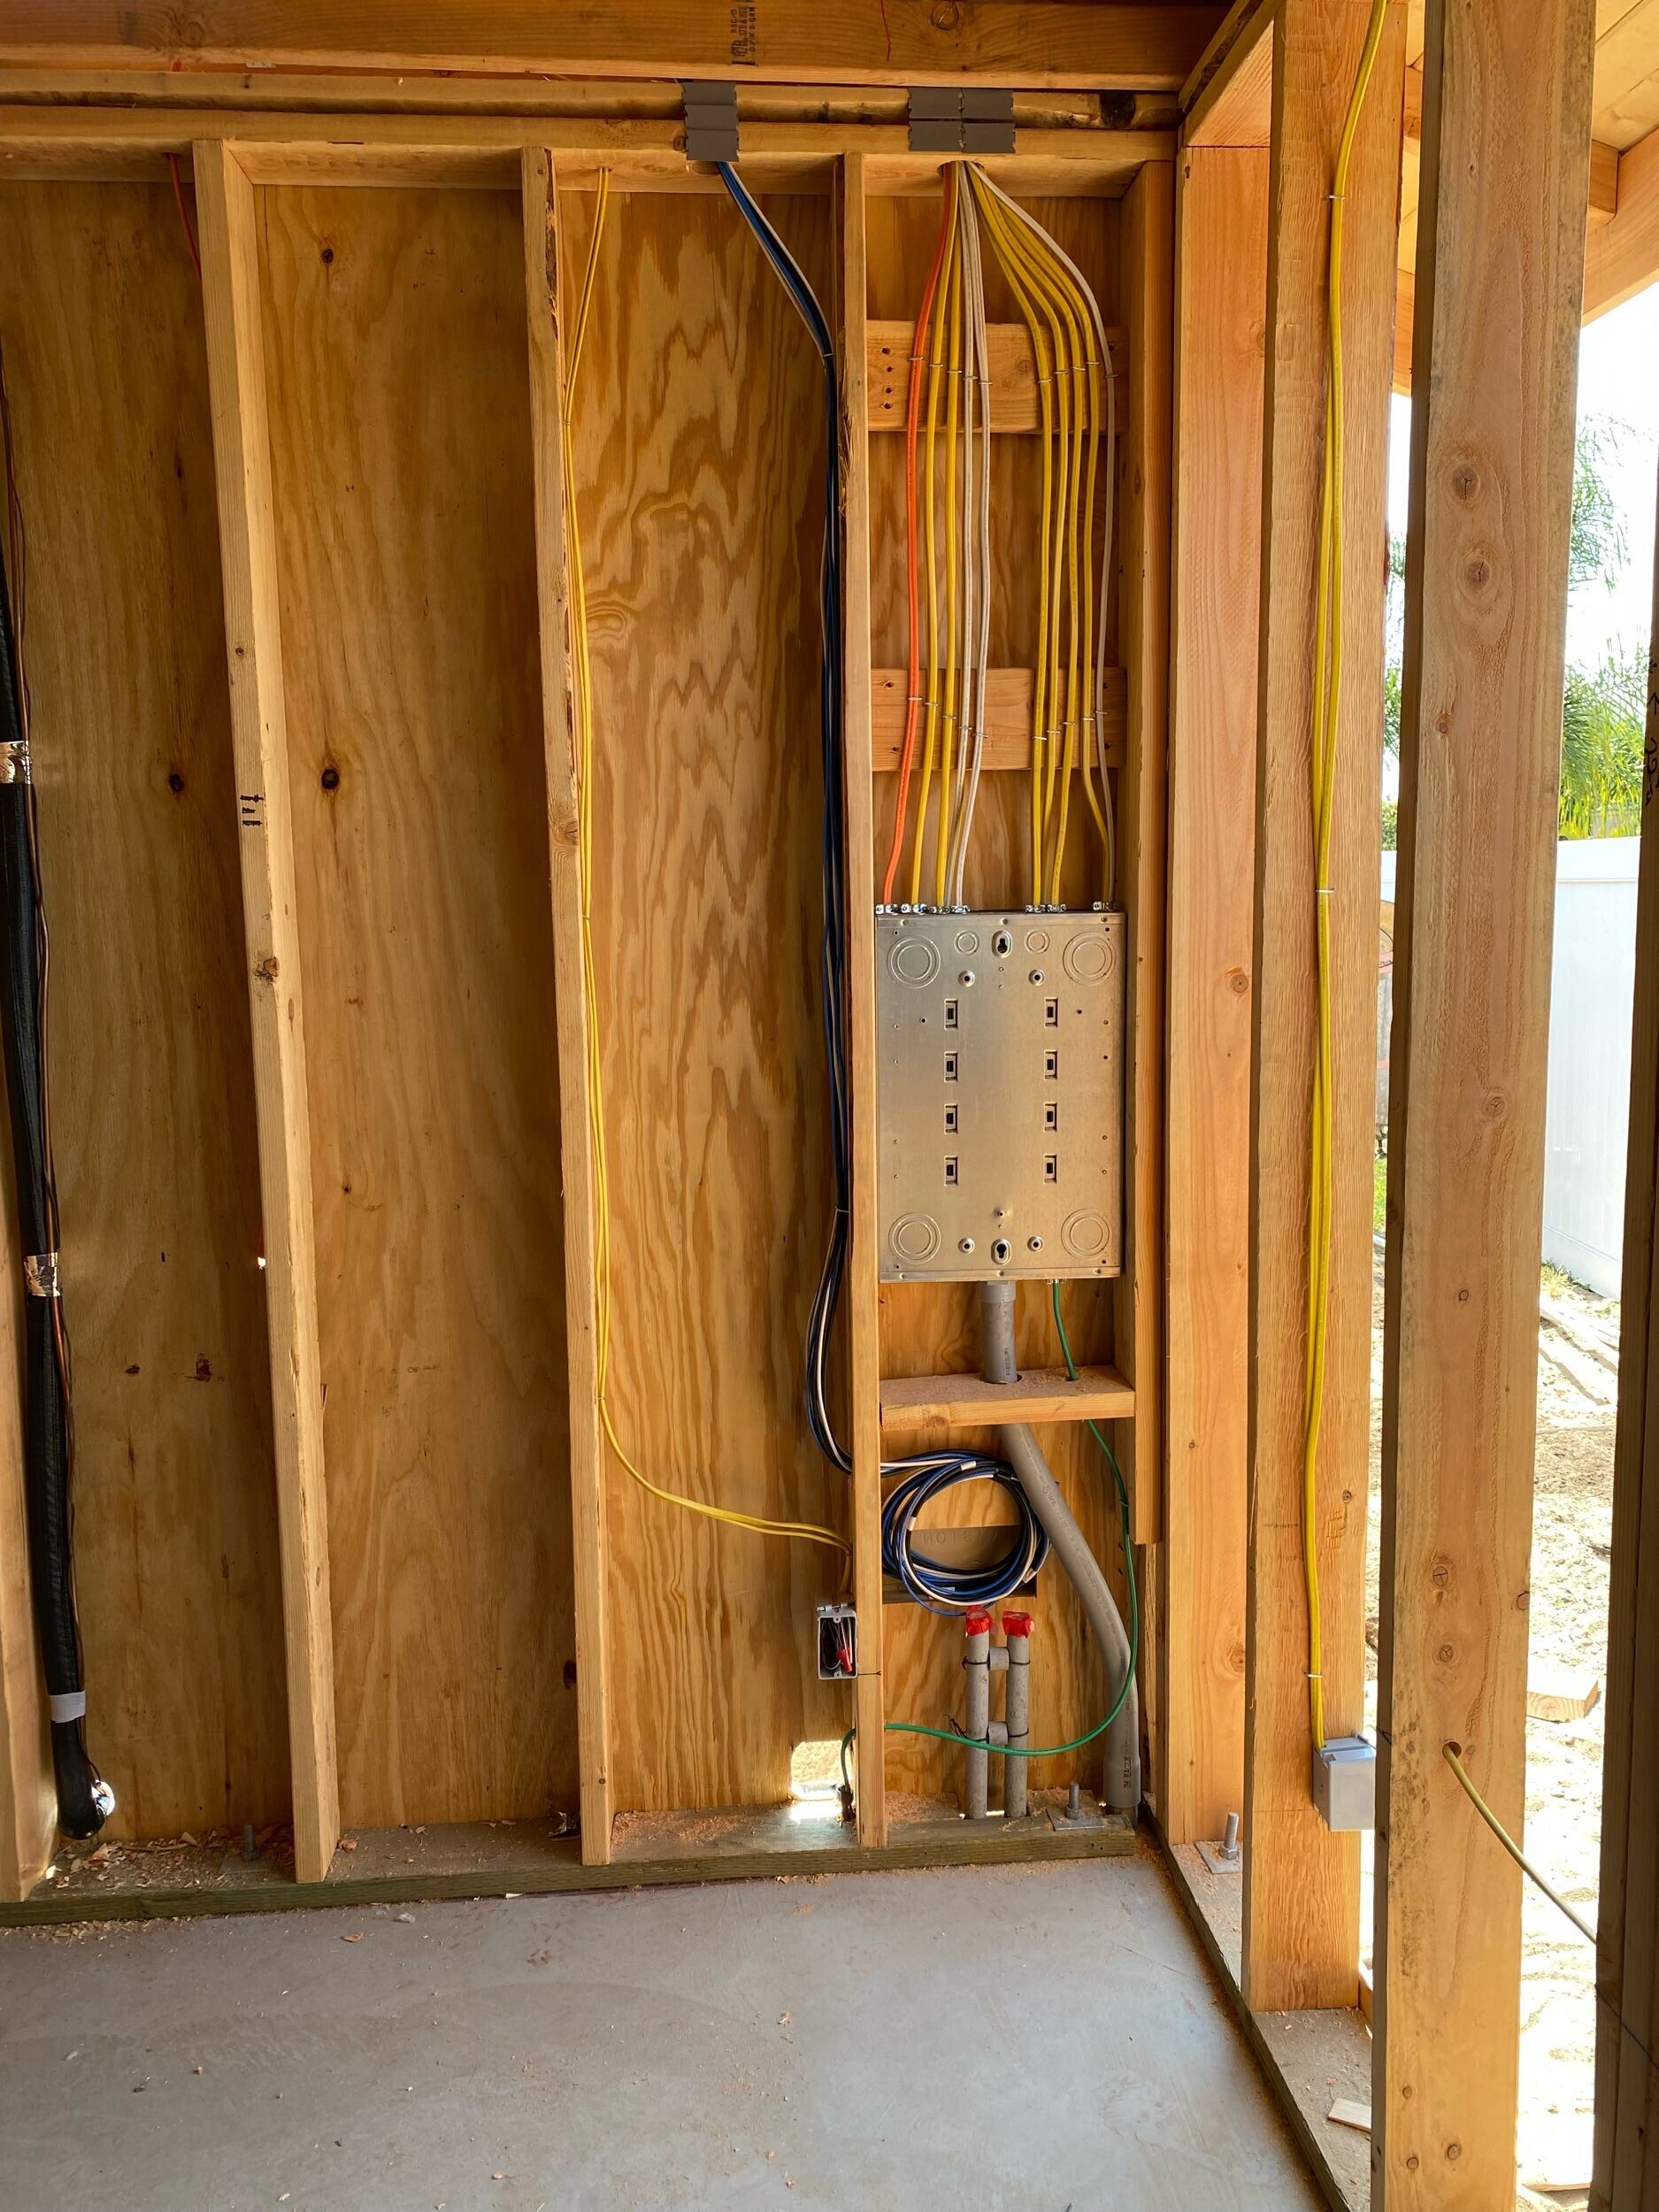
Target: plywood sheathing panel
x,y
700,461
149,1049
400,427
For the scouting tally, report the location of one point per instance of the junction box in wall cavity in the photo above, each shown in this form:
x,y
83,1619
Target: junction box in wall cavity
x,y
1000,1094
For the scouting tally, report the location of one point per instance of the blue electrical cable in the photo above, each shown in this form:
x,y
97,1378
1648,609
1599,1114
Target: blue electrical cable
x,y
936,1583
931,1582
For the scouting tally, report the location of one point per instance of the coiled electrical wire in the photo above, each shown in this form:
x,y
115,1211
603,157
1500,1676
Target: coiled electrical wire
x,y
936,1583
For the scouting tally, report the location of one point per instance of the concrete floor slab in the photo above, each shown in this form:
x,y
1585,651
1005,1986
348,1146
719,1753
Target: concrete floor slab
x,y
1011,2039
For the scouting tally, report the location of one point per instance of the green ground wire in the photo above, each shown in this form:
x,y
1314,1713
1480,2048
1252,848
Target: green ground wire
x,y
1053,1751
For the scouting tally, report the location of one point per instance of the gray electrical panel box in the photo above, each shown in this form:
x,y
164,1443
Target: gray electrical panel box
x,y
1000,1094
1345,1782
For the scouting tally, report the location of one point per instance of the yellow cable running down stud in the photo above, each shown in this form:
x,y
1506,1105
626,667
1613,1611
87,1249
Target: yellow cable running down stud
x,y
807,1530
1327,709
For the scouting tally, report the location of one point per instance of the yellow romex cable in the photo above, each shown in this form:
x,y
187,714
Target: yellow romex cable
x,y
1042,278
947,732
935,365
807,1530
1321,780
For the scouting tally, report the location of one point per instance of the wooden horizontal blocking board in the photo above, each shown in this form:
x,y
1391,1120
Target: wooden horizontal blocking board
x,y
1007,709
1011,360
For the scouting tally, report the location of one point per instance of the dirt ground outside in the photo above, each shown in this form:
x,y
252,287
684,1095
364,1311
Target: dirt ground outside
x,y
1571,1540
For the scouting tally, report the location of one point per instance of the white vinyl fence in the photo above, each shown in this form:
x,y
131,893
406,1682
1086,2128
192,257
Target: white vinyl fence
x,y
1588,1113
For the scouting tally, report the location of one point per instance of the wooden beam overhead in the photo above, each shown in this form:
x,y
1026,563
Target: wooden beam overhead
x,y
1621,258
1234,35
110,145
1301,1882
1506,124
301,92
1229,101
1221,297
1046,43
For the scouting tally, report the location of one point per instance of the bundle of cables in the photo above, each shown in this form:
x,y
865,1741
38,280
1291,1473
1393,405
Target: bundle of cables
x,y
924,1477
1077,400
84,1801
931,1581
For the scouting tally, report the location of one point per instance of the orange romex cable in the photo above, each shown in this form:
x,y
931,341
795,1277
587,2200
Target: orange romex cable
x,y
912,716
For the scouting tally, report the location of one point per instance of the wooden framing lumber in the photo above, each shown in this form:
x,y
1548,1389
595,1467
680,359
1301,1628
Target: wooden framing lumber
x,y
864,1285
1500,259
1007,694
1048,43
1144,621
1229,103
1604,159
301,92
1301,1882
1011,358
273,241
253,643
590,1550
1221,286
1627,1915
1041,1394
28,1797
642,154
1621,257
405,1866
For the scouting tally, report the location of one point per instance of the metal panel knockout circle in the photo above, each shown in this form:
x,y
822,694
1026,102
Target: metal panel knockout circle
x,y
914,960
914,1238
1084,1235
1090,959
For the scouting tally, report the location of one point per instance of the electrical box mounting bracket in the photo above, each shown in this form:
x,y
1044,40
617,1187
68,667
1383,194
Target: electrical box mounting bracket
x,y
710,120
961,119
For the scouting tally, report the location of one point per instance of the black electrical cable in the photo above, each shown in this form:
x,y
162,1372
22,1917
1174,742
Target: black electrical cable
x,y
940,1470
84,1802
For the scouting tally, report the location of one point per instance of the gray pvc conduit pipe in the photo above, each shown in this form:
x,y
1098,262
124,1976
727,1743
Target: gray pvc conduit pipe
x,y
1024,1454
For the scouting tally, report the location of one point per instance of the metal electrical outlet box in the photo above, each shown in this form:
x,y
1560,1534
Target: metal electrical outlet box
x,y
1345,1782
1000,1094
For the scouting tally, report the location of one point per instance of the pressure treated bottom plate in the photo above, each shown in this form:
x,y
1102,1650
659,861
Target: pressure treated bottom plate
x,y
527,1858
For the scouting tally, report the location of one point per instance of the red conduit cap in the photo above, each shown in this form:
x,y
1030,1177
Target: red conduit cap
x,y
978,1623
1017,1624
